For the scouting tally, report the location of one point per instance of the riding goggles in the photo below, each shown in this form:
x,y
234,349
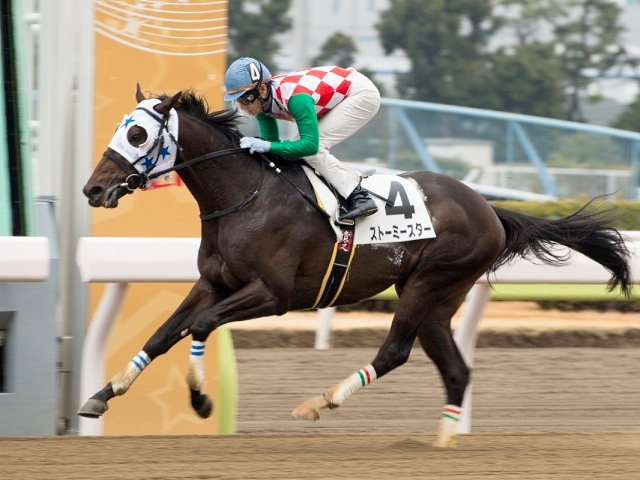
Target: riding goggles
x,y
248,98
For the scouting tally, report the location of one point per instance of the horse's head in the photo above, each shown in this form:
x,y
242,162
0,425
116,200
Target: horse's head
x,y
145,141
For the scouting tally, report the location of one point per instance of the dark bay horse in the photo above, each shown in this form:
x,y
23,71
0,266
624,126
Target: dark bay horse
x,y
265,250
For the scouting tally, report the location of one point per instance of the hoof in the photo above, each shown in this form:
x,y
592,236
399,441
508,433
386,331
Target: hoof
x,y
201,404
205,410
93,408
448,442
305,413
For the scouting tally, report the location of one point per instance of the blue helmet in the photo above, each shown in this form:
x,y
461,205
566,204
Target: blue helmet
x,y
243,75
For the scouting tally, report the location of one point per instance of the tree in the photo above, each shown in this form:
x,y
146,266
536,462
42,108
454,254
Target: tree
x,y
444,40
451,63
629,119
338,49
559,47
528,79
253,25
585,37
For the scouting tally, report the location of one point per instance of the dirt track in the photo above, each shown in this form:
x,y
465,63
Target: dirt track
x,y
537,413
398,456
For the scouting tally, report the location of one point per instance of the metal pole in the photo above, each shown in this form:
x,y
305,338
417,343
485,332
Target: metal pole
x,y
77,167
94,351
466,337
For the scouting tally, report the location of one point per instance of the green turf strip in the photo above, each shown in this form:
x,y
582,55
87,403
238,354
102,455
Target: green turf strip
x,y
539,292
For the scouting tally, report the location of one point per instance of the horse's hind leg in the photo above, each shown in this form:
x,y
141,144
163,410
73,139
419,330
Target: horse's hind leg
x,y
437,341
394,352
175,328
416,315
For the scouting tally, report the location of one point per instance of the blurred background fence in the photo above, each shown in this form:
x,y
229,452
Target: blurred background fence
x,y
533,154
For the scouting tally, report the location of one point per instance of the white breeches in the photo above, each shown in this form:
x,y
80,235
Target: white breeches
x,y
358,107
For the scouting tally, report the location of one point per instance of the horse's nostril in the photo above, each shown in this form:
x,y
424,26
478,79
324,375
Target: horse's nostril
x,y
93,192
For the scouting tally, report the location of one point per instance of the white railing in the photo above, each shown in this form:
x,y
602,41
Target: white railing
x,y
119,261
24,259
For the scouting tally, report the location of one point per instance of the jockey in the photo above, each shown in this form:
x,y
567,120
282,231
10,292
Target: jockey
x,y
328,105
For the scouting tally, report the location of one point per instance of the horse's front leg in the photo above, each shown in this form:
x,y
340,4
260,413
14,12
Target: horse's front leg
x,y
174,329
253,301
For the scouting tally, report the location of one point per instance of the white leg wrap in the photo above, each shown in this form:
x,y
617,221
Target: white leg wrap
x,y
447,432
123,379
351,385
195,376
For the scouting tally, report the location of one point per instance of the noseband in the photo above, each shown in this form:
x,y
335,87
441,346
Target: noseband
x,y
134,180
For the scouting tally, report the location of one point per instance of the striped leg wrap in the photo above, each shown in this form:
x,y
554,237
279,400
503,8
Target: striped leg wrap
x,y
195,377
352,384
451,412
123,379
197,348
141,360
448,428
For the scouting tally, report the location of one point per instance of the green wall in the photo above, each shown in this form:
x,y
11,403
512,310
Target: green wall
x,y
17,207
5,198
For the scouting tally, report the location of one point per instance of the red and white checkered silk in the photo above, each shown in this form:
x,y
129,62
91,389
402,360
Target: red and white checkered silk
x,y
327,85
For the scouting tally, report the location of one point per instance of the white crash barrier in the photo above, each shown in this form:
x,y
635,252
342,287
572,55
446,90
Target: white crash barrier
x,y
126,260
24,259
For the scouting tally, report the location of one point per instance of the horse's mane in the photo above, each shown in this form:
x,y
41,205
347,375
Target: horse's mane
x,y
225,121
196,106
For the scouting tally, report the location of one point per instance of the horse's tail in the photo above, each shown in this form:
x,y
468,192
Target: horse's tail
x,y
588,233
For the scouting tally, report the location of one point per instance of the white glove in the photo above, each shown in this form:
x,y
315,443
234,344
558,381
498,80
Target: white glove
x,y
255,144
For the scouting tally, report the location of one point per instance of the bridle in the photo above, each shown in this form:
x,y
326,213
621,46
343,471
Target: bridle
x,y
139,180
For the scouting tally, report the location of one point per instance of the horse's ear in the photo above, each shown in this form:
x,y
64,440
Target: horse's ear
x,y
167,104
139,94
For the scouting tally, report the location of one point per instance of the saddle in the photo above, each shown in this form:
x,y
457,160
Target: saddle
x,y
282,164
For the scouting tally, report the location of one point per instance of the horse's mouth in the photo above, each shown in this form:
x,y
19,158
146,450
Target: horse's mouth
x,y
112,196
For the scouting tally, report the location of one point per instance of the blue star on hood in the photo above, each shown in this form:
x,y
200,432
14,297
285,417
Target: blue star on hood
x,y
165,152
127,121
148,162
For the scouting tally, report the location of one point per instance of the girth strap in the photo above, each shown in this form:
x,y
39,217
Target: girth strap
x,y
339,266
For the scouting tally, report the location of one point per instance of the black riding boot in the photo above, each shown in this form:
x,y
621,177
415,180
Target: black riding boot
x,y
360,204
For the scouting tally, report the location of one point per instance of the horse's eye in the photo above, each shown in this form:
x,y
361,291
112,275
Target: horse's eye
x,y
137,136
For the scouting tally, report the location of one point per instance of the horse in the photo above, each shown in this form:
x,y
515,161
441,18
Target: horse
x,y
265,248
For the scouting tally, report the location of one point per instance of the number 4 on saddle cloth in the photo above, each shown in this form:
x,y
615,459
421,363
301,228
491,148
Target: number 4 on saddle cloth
x,y
402,216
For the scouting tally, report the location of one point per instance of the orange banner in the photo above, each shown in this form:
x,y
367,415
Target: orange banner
x,y
165,47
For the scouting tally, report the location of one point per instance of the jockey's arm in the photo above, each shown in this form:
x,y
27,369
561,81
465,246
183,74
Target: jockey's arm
x,y
268,128
302,108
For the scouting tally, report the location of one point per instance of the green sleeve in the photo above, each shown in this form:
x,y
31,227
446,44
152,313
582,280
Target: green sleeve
x,y
302,108
268,128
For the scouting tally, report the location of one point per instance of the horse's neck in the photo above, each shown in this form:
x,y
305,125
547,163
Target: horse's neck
x,y
217,183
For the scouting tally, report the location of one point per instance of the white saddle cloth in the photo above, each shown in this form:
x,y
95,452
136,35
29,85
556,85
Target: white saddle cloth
x,y
405,220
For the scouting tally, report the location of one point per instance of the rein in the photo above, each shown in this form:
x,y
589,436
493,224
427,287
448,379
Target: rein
x,y
138,180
